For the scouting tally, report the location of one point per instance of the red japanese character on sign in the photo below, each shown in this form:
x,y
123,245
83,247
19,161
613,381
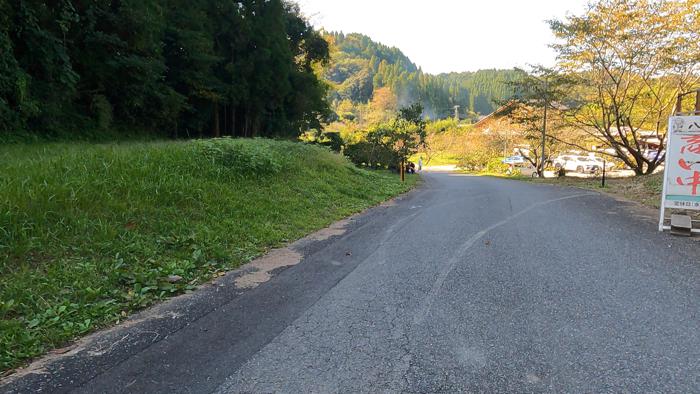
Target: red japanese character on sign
x,y
693,144
694,181
685,165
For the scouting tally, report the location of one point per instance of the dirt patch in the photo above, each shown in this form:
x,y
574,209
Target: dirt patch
x,y
389,203
261,268
337,228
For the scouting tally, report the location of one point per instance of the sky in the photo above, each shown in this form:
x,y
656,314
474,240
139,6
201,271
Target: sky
x,y
451,35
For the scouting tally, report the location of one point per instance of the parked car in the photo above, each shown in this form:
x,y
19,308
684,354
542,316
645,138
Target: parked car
x,y
609,164
580,164
651,154
520,164
527,169
514,160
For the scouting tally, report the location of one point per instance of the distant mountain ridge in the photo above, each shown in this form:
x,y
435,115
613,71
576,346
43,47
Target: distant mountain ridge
x,y
360,65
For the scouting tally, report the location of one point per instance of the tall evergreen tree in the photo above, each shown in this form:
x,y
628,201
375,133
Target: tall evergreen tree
x,y
183,68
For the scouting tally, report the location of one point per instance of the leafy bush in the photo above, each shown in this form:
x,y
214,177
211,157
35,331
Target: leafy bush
x,y
560,171
370,155
332,140
474,161
442,125
496,165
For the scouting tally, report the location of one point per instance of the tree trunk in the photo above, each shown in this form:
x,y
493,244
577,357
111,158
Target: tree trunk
x,y
651,167
225,118
233,120
540,169
246,125
255,126
217,129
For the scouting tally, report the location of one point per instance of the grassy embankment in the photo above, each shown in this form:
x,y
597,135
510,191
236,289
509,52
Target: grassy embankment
x,y
90,233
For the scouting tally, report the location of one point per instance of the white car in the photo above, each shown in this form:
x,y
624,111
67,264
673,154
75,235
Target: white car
x,y
651,154
514,160
609,164
580,164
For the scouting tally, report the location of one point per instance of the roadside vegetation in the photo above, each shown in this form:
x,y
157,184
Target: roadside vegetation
x,y
645,190
621,67
607,103
91,233
386,144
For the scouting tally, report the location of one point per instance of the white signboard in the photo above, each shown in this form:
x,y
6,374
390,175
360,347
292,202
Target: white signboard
x,y
681,187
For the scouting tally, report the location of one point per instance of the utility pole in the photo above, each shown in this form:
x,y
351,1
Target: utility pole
x,y
544,127
604,165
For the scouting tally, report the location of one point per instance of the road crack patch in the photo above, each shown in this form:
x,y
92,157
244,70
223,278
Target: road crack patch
x,y
260,269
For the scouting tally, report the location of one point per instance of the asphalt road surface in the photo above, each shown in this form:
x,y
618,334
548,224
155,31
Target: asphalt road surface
x,y
468,284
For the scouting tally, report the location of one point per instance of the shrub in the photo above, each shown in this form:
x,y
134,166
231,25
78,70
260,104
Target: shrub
x,y
332,140
497,166
474,161
558,171
374,156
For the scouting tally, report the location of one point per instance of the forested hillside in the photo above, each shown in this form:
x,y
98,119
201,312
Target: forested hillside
x,y
361,66
177,67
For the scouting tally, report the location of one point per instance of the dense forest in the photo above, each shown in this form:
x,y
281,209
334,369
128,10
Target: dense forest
x,y
202,68
178,67
361,66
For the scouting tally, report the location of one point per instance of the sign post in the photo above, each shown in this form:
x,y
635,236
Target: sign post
x,y
681,187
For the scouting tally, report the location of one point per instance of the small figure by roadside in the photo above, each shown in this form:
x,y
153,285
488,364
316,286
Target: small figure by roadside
x,y
420,163
410,167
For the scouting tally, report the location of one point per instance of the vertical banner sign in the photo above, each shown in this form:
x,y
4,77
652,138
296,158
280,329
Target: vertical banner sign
x,y
681,189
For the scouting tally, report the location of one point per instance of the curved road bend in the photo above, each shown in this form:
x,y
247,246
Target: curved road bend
x,y
468,284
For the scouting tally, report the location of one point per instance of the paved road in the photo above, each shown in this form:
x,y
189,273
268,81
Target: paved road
x,y
468,284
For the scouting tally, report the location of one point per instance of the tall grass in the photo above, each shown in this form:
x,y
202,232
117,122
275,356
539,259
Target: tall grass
x,y
89,233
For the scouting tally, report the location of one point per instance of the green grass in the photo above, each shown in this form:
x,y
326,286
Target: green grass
x,y
89,233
